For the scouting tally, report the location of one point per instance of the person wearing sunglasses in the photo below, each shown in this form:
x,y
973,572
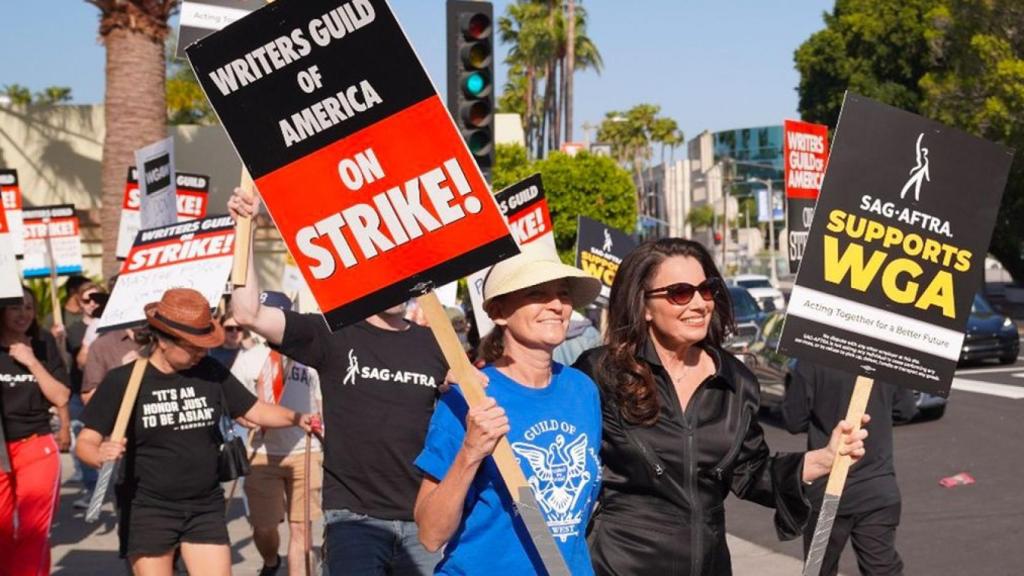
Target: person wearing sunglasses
x,y
680,423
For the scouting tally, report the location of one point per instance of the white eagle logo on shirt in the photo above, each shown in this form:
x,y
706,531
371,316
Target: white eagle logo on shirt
x,y
559,475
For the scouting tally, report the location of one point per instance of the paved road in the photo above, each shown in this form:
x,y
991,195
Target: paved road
x,y
964,530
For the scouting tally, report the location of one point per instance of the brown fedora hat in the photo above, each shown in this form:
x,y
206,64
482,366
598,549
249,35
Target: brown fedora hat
x,y
185,314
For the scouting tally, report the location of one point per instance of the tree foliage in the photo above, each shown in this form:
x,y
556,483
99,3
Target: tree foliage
x,y
537,37
21,96
960,62
877,48
632,134
580,185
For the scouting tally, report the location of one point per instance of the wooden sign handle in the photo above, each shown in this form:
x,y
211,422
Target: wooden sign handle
x,y
858,405
124,412
243,235
131,392
58,312
466,377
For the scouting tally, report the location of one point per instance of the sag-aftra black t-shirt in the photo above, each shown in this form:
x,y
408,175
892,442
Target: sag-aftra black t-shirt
x,y
25,410
379,388
173,437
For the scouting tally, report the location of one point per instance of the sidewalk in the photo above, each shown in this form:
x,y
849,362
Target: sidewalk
x,y
81,549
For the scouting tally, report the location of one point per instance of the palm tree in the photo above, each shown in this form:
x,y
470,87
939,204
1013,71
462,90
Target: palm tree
x,y
537,34
133,32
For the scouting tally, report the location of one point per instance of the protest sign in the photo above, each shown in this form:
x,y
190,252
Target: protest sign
x,y
892,261
360,165
195,254
192,197
895,253
525,209
600,250
805,153
11,193
198,19
10,279
57,225
158,205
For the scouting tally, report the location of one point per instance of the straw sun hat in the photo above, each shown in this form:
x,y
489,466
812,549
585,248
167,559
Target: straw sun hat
x,y
185,314
536,264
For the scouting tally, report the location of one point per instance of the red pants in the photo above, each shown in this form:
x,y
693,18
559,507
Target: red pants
x,y
28,499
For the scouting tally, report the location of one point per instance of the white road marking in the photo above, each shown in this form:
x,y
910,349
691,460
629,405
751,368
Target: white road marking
x,y
992,389
970,371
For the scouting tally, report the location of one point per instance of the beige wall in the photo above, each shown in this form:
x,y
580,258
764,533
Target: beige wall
x,y
57,151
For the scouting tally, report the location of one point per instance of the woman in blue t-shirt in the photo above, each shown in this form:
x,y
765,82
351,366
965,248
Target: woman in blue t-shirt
x,y
550,413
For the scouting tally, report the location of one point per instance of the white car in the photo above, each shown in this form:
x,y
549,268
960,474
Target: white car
x,y
760,287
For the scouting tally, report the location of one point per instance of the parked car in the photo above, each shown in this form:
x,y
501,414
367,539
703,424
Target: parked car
x,y
748,316
773,371
989,335
768,297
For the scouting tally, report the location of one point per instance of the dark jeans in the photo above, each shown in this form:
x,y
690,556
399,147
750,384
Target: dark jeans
x,y
873,535
360,545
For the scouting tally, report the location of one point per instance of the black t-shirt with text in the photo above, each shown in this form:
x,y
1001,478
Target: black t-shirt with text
x,y
26,411
379,388
173,436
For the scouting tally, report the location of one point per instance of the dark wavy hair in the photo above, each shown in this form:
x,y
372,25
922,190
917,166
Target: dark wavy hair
x,y
625,379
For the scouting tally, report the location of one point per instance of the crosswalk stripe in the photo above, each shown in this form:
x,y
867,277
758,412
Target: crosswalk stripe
x,y
990,388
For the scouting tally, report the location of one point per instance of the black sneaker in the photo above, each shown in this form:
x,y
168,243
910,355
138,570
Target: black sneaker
x,y
271,570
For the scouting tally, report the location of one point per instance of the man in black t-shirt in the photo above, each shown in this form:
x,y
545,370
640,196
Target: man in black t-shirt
x,y
816,399
379,381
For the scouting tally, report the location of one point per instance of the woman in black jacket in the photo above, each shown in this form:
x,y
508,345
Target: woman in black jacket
x,y
680,423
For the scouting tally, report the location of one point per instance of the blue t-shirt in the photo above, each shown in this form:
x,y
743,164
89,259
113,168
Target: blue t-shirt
x,y
556,435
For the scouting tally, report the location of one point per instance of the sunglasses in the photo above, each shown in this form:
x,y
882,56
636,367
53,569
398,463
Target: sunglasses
x,y
681,293
232,328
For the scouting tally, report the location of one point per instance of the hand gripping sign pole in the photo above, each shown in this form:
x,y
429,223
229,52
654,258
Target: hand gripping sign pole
x,y
836,481
131,392
243,235
504,458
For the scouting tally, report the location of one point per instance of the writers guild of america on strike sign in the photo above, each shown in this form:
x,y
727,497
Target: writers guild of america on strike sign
x,y
355,154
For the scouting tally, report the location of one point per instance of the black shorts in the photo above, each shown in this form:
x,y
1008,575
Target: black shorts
x,y
148,530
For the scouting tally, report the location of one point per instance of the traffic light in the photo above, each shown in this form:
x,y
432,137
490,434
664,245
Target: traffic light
x,y
471,77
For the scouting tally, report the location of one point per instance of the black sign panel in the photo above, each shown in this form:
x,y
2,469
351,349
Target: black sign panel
x,y
897,246
600,250
158,173
345,68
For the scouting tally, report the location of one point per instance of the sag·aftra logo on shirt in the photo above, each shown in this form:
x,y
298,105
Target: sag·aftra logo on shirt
x,y
559,475
354,370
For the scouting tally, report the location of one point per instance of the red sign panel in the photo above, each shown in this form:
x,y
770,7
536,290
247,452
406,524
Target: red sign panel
x,y
805,148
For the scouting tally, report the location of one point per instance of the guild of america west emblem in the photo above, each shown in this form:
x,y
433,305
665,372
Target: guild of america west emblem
x,y
559,476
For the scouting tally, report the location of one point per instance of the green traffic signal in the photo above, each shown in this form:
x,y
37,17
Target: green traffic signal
x,y
475,84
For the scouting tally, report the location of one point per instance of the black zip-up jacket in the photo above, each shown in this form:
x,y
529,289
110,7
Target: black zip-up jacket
x,y
664,486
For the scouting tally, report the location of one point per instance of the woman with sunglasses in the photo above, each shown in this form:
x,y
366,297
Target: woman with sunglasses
x,y
169,493
680,423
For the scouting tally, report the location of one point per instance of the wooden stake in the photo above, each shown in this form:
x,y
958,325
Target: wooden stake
x,y
243,235
836,481
466,377
124,412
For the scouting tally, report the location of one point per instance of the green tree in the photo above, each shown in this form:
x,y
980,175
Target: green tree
x,y
585,185
877,48
186,102
52,95
18,94
701,217
977,84
588,185
537,36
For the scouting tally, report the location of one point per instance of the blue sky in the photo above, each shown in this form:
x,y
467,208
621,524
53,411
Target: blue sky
x,y
710,64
